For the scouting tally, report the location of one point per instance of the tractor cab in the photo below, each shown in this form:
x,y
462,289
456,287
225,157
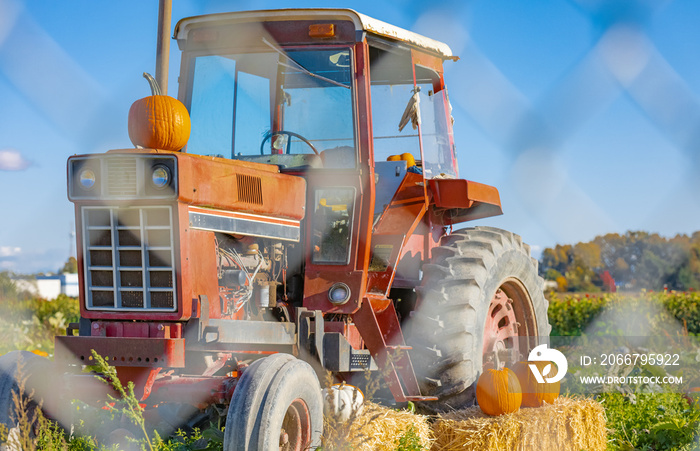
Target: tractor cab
x,y
355,106
315,89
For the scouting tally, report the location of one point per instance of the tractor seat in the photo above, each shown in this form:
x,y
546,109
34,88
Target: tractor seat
x,y
341,157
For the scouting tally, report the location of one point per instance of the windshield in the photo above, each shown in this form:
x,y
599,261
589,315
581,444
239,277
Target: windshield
x,y
399,87
292,108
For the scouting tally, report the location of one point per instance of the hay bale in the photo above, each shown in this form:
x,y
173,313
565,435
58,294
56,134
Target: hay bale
x,y
376,428
568,424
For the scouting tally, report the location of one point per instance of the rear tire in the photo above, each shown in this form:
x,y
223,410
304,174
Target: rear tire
x,y
277,405
34,369
480,295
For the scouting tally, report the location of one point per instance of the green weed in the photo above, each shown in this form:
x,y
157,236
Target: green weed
x,y
409,441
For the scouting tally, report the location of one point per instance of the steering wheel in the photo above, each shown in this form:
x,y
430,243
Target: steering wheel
x,y
270,134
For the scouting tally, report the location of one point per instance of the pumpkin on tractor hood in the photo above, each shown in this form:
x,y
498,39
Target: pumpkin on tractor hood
x,y
158,121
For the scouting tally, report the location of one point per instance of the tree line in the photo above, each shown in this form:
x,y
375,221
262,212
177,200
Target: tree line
x,y
636,260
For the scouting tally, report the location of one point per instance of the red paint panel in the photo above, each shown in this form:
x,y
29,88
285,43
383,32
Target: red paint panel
x,y
407,206
297,32
320,277
460,193
366,154
398,222
349,331
463,200
219,183
199,270
121,351
136,330
142,378
281,32
319,282
431,62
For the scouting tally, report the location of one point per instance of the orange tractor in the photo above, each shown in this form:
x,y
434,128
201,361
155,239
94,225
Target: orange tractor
x,y
307,226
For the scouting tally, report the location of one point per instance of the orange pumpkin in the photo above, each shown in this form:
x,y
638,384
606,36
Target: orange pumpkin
x,y
158,121
498,392
535,393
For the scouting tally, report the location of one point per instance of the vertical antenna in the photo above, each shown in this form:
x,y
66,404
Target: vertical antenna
x,y
71,241
71,238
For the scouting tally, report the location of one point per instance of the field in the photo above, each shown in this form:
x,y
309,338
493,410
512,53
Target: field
x,y
641,418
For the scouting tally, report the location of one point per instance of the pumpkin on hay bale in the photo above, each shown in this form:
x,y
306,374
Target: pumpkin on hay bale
x,y
376,428
570,424
535,393
498,392
342,401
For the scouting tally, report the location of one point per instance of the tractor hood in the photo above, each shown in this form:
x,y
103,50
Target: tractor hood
x,y
142,176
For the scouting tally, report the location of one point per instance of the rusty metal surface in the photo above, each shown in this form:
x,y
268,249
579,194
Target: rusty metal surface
x,y
120,351
251,332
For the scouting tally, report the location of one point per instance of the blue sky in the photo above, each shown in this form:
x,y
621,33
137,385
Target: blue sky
x,y
583,113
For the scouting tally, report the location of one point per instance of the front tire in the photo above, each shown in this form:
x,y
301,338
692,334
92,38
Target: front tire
x,y
480,301
277,405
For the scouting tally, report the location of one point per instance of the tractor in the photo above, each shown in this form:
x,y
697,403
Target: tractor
x,y
305,228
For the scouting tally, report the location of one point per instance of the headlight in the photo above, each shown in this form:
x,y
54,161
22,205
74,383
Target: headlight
x,y
87,178
160,176
339,293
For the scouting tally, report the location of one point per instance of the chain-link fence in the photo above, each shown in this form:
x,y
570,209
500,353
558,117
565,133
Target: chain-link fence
x,y
604,139
583,113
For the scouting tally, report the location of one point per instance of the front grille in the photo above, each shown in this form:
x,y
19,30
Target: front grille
x,y
121,176
249,189
129,258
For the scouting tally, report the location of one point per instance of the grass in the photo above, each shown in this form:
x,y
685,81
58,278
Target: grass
x,y
652,421
658,421
641,417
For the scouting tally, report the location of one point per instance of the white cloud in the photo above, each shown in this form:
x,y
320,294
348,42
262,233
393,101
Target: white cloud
x,y
12,160
9,251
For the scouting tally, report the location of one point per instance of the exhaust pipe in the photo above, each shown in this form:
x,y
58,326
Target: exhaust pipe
x,y
165,12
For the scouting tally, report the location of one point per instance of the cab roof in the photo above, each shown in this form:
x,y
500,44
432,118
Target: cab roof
x,y
361,21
